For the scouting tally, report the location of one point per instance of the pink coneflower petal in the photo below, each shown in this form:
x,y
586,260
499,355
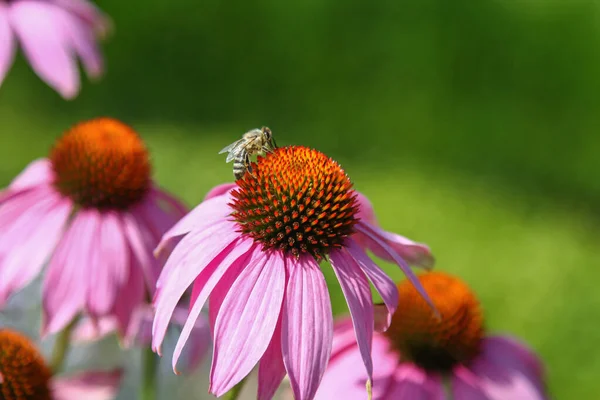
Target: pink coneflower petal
x,y
413,253
271,370
140,243
246,321
38,172
357,292
130,296
203,216
205,283
343,336
307,326
7,43
466,385
219,190
381,246
97,385
382,282
40,29
508,351
89,14
366,213
508,370
199,339
412,383
344,380
112,264
83,41
190,257
67,279
159,211
28,238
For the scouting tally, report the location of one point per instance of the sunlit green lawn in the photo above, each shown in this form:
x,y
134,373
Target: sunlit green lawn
x,y
533,263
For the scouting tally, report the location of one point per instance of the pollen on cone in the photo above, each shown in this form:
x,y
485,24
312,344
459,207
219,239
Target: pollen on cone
x,y
437,342
101,163
24,373
297,200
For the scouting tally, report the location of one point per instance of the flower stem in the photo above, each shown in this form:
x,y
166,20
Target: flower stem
x,y
61,347
234,393
149,369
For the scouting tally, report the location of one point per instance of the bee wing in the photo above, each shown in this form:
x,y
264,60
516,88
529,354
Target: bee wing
x,y
230,147
230,156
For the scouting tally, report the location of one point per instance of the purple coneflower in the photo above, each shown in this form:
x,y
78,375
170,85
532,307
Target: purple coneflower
x,y
92,214
24,375
253,248
53,33
420,352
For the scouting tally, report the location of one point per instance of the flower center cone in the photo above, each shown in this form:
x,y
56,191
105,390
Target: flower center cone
x,y
23,372
437,343
296,200
101,163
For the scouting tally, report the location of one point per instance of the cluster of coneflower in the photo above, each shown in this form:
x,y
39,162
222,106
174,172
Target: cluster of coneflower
x,y
121,255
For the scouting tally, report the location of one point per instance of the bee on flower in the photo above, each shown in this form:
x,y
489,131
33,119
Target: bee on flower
x,y
253,249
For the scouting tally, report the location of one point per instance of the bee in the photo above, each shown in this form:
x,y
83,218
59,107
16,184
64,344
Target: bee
x,y
256,141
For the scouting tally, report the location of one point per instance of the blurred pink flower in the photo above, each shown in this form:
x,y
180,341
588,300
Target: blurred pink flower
x,y
419,352
139,332
53,34
24,372
92,214
254,248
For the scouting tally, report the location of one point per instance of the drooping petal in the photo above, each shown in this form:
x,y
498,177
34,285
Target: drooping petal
x,y
189,258
414,253
67,279
357,292
140,242
130,297
382,282
93,330
343,337
237,258
412,383
506,369
82,38
110,270
219,190
206,214
466,385
246,321
97,385
199,338
508,350
27,243
159,212
366,212
89,14
40,29
307,326
384,248
7,43
38,172
344,380
271,370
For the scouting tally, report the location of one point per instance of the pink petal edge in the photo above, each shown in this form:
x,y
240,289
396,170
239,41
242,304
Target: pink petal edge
x,y
307,326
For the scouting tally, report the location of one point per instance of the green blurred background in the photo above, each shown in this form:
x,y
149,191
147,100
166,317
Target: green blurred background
x,y
471,125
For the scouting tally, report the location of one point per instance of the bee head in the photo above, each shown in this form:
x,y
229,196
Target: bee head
x,y
269,136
